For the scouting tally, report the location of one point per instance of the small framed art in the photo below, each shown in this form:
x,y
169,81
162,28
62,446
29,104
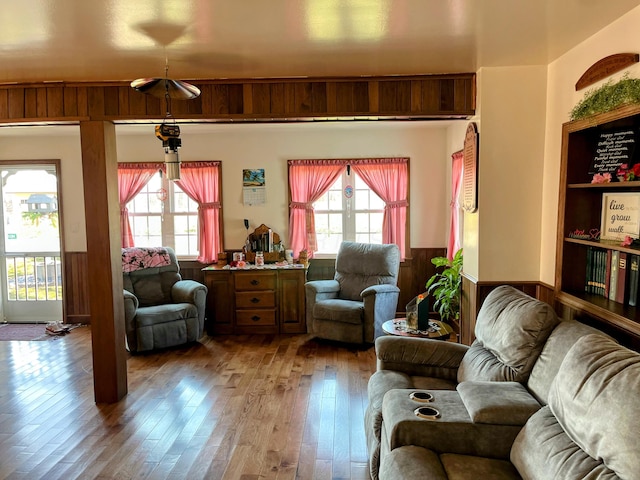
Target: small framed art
x,y
620,216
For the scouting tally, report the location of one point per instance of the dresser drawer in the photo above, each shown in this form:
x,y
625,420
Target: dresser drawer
x,y
256,281
255,317
257,299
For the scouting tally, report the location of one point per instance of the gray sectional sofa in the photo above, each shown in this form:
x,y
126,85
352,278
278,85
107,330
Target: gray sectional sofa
x,y
532,397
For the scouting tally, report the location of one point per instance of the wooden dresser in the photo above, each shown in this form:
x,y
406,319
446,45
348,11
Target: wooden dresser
x,y
258,300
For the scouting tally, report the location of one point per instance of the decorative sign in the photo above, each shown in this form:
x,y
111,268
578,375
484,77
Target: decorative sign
x,y
606,67
620,216
470,178
612,150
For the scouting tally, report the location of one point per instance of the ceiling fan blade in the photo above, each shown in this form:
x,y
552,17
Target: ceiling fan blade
x,y
159,87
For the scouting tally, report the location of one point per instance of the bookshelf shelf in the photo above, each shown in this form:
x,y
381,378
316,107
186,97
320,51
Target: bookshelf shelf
x,y
580,208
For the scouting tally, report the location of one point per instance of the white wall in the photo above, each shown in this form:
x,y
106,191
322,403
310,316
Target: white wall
x,y
268,146
619,37
506,228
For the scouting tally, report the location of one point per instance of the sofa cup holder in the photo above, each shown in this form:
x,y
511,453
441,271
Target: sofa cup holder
x,y
428,413
421,397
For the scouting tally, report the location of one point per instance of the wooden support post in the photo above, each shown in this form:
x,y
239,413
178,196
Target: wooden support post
x,y
102,216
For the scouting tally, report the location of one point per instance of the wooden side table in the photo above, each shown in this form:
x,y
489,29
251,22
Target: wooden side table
x,y
437,330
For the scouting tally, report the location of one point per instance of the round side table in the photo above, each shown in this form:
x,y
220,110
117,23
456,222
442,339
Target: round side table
x,y
437,330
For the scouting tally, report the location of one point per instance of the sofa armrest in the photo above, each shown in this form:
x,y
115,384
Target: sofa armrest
x,y
419,356
497,403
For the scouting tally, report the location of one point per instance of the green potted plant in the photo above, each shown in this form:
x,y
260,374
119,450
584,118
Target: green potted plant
x,y
445,286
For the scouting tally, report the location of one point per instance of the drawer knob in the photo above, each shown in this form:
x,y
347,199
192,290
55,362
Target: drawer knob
x,y
255,300
255,318
255,282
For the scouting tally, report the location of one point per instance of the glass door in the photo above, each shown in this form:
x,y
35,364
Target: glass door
x,y
31,273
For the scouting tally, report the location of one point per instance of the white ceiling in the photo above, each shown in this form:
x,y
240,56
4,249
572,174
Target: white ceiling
x,y
92,40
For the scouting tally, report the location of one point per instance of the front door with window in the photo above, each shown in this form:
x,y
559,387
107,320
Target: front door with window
x,y
31,273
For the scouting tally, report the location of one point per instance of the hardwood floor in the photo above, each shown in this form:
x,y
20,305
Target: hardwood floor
x,y
229,407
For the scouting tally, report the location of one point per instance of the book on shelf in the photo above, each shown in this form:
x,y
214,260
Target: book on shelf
x,y
613,277
623,277
634,266
598,272
607,274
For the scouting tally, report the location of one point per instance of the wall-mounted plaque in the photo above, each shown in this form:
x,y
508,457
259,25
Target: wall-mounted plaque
x,y
470,176
612,149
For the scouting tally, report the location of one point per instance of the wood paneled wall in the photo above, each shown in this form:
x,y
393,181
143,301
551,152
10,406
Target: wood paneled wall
x,y
421,96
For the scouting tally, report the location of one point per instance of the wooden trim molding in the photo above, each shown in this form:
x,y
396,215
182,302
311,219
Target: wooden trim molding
x,y
271,100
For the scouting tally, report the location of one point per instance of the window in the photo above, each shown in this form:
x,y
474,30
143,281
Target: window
x,y
349,210
162,214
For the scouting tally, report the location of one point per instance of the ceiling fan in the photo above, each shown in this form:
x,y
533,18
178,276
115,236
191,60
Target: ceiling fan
x,y
164,33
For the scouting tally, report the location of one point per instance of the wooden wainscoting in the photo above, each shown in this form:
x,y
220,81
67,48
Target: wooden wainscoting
x,y
76,288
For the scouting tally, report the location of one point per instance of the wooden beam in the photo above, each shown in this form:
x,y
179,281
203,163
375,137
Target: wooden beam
x,y
102,214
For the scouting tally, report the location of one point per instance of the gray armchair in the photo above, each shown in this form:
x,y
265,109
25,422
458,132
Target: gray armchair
x,y
363,295
162,310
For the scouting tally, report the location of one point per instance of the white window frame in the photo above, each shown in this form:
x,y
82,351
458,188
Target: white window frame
x,y
167,214
348,211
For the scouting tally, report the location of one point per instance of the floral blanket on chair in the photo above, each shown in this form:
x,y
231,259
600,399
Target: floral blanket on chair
x,y
137,258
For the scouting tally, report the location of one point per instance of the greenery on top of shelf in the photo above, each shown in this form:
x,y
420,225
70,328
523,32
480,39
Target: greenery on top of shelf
x,y
608,97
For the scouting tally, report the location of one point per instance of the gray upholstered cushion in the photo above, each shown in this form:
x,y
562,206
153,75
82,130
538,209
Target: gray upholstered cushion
x,y
338,310
542,451
500,403
556,347
360,265
511,330
596,399
467,467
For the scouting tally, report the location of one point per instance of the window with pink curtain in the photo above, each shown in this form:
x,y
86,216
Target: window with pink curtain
x,y
308,181
201,182
388,178
457,164
132,177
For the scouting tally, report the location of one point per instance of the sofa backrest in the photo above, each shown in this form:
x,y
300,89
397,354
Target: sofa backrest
x,y
555,348
590,427
152,286
361,265
511,329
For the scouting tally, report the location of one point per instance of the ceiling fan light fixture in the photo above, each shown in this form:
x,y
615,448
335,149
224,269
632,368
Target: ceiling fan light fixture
x,y
161,87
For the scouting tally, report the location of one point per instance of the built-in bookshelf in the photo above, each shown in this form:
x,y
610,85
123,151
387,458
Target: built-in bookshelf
x,y
580,212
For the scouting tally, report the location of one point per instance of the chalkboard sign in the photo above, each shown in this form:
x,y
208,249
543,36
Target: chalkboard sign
x,y
612,149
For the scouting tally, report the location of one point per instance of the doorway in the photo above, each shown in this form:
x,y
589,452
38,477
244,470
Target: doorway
x,y
31,270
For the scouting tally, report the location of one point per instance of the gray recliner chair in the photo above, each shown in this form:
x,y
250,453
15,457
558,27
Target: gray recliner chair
x,y
363,295
161,309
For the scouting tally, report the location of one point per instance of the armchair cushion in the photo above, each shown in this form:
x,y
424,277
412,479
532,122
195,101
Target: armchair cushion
x,y
338,310
360,265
